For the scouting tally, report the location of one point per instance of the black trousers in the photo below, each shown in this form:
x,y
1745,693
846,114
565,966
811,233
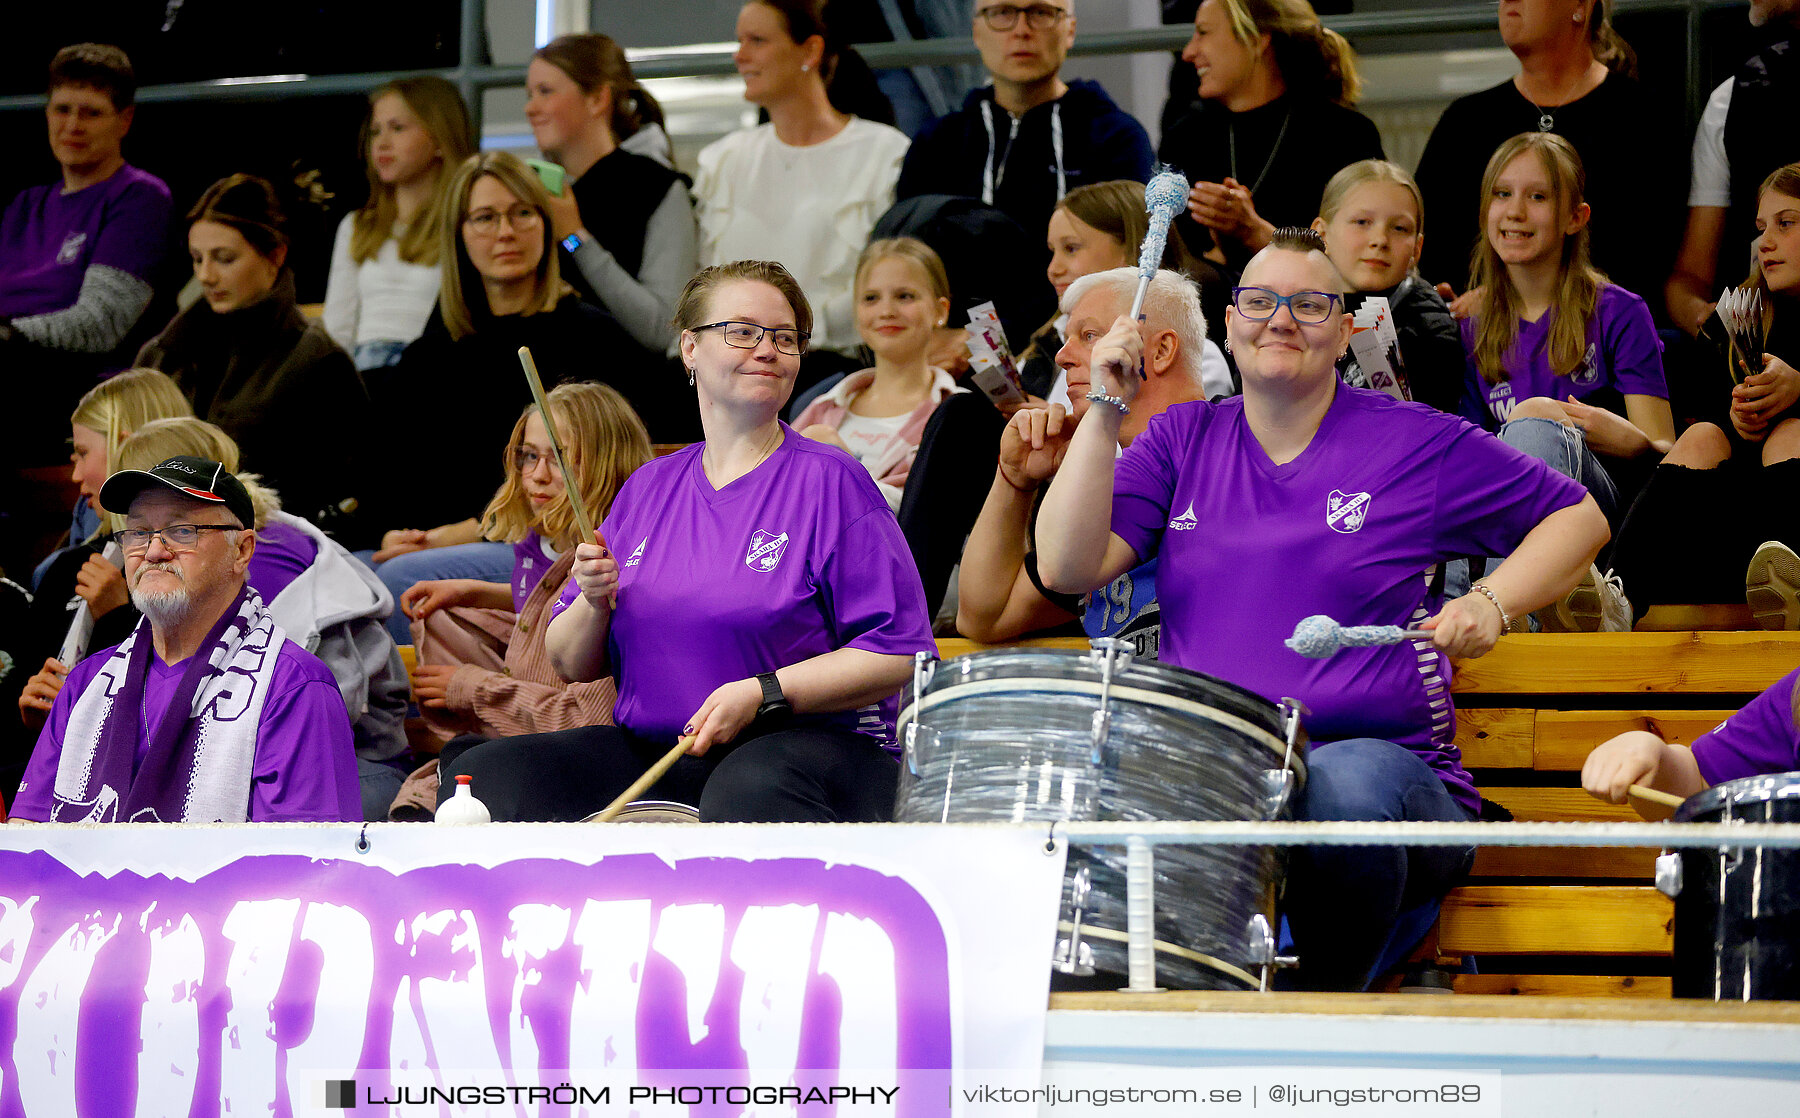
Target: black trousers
x,y
783,776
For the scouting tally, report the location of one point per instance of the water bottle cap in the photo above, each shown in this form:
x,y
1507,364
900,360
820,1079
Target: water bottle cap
x,y
463,779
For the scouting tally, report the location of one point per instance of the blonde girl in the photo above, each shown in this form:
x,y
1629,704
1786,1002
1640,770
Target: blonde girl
x,y
384,274
1373,220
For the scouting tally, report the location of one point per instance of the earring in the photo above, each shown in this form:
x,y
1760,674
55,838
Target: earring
x,y
1577,17
690,376
805,66
1228,344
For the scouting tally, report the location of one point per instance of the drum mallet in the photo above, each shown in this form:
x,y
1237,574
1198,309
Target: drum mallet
x,y
1318,636
571,490
1164,196
642,784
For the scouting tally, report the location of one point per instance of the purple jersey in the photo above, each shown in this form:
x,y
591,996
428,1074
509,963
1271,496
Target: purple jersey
x,y
1352,529
282,555
1759,739
532,559
1624,358
305,768
49,239
797,558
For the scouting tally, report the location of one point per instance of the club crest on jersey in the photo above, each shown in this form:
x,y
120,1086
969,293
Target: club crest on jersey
x,y
70,251
1345,512
766,549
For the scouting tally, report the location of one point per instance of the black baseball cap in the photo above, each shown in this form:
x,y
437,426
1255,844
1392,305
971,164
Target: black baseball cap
x,y
199,478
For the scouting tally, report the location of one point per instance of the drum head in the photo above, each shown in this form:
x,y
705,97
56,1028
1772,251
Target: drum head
x,y
652,811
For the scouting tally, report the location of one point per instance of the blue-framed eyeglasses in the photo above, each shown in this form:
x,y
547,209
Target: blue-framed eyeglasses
x,y
1259,304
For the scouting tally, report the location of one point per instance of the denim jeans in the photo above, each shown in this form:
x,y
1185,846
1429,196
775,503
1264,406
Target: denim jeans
x,y
1563,448
485,561
1344,902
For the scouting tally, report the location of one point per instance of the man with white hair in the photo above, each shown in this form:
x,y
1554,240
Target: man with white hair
x,y
999,593
207,712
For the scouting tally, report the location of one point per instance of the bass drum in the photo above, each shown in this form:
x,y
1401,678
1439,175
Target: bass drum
x,y
1737,910
652,811
1039,736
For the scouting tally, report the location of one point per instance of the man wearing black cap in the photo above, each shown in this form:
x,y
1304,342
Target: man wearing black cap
x,y
207,712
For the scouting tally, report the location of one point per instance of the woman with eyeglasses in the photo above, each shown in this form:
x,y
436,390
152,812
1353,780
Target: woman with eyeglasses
x,y
1357,498
458,386
751,592
1276,120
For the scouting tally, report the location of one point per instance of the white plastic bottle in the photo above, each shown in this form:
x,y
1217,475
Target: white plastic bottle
x,y
463,807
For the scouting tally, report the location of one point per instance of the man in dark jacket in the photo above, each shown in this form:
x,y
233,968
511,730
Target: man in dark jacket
x,y
1028,139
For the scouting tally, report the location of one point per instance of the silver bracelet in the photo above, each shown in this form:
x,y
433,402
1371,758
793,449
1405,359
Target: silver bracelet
x,y
1115,401
1484,591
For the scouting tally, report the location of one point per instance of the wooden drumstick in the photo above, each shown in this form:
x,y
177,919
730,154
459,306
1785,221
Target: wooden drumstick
x,y
1652,803
642,784
570,489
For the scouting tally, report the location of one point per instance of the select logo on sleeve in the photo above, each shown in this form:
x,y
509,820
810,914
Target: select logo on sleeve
x,y
766,550
1345,512
1186,522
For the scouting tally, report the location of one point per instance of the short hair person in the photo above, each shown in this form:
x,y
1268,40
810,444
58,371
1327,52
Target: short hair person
x,y
1304,496
1023,142
77,256
207,712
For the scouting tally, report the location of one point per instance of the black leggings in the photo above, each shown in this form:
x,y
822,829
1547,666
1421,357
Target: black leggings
x,y
785,776
1691,533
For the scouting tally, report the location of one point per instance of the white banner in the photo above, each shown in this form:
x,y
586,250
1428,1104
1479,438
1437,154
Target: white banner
x,y
282,970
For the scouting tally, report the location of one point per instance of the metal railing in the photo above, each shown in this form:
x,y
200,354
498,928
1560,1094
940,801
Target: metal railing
x,y
706,60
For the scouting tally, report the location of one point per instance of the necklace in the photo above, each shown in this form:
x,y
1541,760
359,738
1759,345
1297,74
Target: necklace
x,y
1546,116
762,456
1231,148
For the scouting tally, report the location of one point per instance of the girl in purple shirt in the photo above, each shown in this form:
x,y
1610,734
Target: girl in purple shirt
x,y
1306,496
1552,341
760,604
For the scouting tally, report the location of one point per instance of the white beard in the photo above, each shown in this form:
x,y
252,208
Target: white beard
x,y
164,608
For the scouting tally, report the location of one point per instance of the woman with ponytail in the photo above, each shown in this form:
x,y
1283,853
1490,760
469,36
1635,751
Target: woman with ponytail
x,y
1577,79
1276,121
625,221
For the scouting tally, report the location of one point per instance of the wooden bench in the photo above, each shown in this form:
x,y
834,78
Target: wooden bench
x,y
1572,921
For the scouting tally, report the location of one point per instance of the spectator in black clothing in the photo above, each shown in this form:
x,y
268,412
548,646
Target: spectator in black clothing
x,y
1025,141
460,385
249,362
1373,222
1275,122
1574,80
1734,149
1730,481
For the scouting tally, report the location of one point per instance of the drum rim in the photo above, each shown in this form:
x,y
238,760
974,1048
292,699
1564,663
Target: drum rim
x,y
1164,947
1256,704
1758,789
972,688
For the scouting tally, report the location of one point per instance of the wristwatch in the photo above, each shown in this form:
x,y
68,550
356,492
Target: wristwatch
x,y
775,706
572,242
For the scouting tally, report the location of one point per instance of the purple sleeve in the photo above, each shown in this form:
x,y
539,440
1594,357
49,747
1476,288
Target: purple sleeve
x,y
35,790
1144,482
130,237
305,755
1759,739
1633,348
1490,495
872,591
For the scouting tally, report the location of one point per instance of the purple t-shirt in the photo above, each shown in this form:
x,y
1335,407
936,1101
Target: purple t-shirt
x,y
797,558
1352,529
282,555
532,560
1624,358
49,239
1759,739
305,768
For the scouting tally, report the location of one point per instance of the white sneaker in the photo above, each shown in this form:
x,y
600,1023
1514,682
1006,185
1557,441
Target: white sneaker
x,y
1596,605
1772,587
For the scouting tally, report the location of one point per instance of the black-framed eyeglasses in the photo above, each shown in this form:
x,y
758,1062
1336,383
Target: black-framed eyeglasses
x,y
525,460
1259,304
1005,17
749,335
486,222
176,537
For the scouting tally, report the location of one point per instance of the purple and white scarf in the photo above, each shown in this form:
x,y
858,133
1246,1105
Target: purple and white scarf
x,y
203,751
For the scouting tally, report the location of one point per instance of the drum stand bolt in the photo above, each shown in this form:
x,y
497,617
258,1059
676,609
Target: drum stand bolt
x,y
1072,955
